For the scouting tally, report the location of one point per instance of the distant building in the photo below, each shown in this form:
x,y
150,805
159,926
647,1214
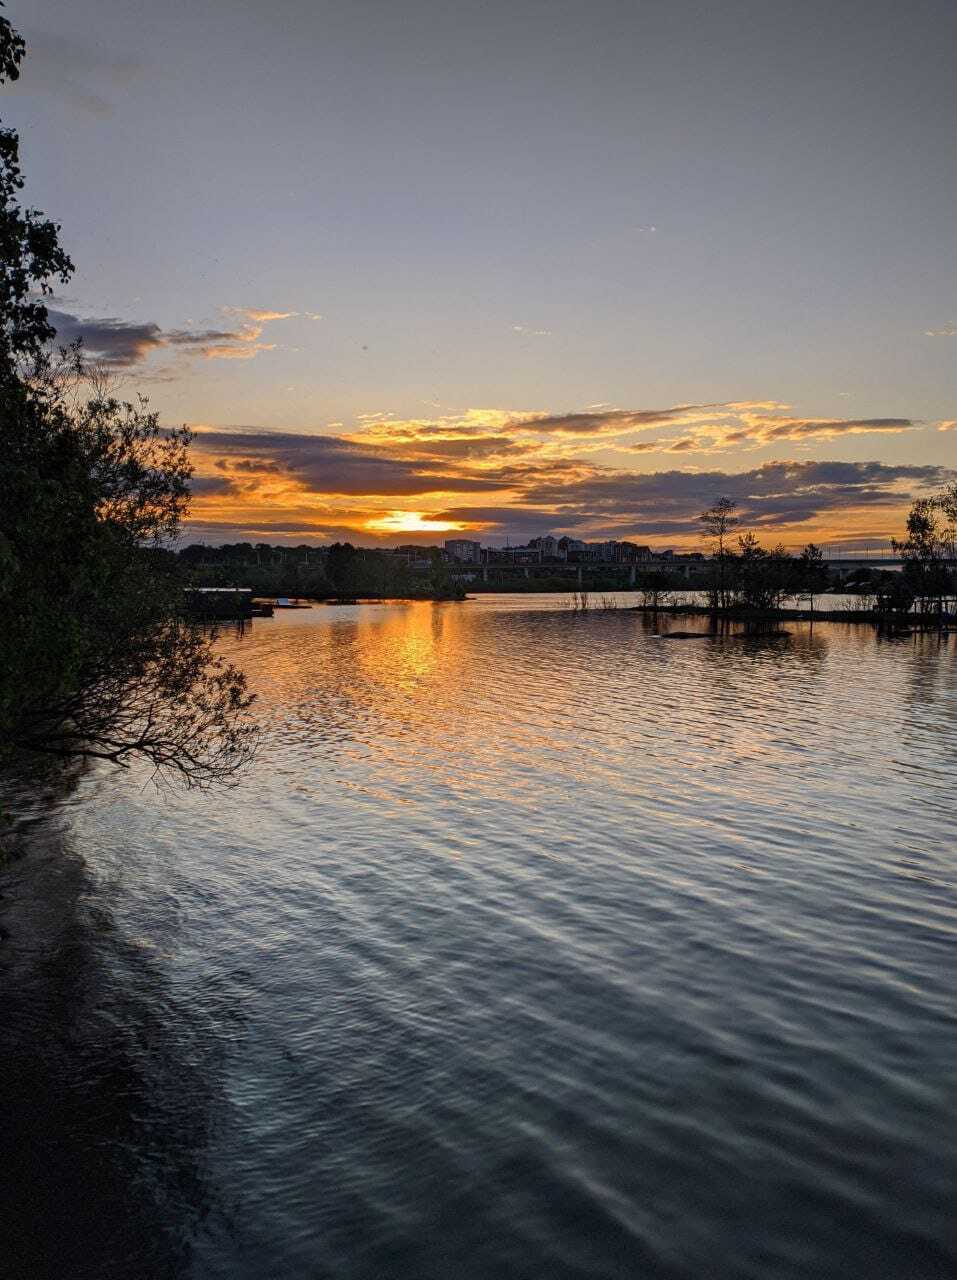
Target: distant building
x,y
631,552
571,549
548,547
605,552
463,550
518,555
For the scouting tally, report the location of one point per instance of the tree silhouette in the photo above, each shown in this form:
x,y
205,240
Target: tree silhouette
x,y
29,243
95,659
717,523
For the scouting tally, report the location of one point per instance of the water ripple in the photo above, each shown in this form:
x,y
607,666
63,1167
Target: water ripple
x,y
532,946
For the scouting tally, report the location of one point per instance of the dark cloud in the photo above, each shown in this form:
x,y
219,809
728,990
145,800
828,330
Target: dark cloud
x,y
119,344
604,421
466,449
241,531
116,343
211,486
329,464
251,466
204,338
778,492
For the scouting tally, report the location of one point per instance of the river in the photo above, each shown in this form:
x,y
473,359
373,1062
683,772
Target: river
x,y
533,945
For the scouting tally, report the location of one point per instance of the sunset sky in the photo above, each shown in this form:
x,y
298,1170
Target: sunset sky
x,y
411,267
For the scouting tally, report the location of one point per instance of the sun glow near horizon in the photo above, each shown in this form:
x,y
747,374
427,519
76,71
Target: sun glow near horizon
x,y
412,522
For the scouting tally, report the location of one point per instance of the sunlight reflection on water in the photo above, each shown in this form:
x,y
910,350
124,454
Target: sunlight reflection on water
x,y
538,945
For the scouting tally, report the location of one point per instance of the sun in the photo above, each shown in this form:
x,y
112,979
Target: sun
x,y
411,522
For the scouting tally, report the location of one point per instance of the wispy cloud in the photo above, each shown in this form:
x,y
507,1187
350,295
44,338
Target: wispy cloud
x,y
120,344
600,422
948,331
682,444
758,429
706,428
254,316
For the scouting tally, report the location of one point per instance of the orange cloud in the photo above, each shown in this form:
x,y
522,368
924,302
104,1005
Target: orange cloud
x,y
488,472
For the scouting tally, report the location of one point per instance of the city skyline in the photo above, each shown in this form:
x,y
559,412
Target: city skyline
x,y
519,270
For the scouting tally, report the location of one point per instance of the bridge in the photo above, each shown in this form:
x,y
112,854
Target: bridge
x,y
845,564
578,575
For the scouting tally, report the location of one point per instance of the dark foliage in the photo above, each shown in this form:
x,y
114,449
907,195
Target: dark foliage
x,y
95,659
29,244
928,552
716,524
337,571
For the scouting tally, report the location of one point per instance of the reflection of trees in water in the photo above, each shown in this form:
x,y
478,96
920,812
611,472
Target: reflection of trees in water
x,y
111,1088
918,830
929,658
931,669
744,692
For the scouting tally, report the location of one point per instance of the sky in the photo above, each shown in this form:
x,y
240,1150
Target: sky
x,y
428,269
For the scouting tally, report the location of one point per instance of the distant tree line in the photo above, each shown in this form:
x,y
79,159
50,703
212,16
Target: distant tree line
x,y
339,571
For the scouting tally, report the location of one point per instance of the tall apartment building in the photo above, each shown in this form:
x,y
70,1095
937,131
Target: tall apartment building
x,y
463,550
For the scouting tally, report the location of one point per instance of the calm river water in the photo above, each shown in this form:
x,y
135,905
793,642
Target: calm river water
x,y
532,946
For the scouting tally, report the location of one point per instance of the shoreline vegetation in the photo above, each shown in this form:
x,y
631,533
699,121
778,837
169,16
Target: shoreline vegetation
x,y
340,571
587,602
97,657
